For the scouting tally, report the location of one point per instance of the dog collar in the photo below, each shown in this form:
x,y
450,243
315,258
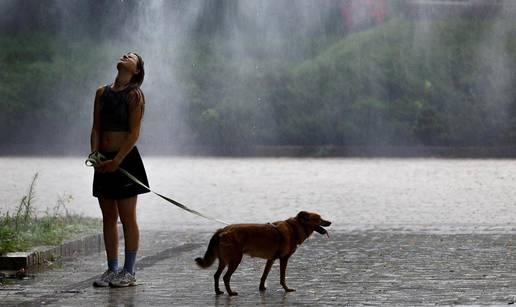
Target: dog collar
x,y
280,240
294,230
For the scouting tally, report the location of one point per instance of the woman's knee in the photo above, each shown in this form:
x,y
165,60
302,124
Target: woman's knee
x,y
110,220
127,211
128,219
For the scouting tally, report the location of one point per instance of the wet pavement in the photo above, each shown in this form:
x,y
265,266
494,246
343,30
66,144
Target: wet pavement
x,y
354,268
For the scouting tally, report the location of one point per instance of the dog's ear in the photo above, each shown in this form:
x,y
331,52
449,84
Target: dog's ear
x,y
303,217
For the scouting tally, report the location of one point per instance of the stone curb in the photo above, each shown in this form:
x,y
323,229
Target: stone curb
x,y
28,261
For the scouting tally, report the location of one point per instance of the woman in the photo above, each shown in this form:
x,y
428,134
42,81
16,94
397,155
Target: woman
x,y
117,116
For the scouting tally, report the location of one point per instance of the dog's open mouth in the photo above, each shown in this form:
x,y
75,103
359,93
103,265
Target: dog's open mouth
x,y
320,230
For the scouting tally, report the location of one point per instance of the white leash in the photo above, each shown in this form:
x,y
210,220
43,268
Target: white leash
x,y
96,158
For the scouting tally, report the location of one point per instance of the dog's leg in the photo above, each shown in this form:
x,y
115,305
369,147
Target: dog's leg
x,y
227,277
221,267
268,267
283,270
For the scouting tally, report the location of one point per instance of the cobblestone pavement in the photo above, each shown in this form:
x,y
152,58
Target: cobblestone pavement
x,y
356,268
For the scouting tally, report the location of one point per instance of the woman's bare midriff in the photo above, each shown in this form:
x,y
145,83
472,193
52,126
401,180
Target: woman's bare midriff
x,y
112,140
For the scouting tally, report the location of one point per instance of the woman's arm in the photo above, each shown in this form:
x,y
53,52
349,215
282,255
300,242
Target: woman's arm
x,y
95,130
136,103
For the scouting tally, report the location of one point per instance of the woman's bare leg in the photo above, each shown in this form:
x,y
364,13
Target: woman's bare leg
x,y
127,212
109,222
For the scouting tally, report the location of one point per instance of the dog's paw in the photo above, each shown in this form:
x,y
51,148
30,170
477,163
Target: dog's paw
x,y
262,288
218,292
233,293
289,290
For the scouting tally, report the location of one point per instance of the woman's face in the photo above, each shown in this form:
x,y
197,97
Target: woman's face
x,y
128,62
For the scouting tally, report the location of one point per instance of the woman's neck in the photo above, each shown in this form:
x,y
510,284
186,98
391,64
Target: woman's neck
x,y
122,80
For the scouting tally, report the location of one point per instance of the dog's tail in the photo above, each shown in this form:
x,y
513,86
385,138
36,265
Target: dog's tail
x,y
211,252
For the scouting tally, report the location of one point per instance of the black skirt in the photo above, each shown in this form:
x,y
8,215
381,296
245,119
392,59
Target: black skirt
x,y
116,185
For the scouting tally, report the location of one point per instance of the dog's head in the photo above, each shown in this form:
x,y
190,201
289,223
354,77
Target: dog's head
x,y
312,222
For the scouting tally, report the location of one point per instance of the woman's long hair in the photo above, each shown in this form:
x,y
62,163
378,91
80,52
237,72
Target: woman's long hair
x,y
137,79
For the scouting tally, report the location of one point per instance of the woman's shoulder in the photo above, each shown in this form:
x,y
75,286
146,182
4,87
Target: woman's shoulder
x,y
135,98
101,89
132,89
135,92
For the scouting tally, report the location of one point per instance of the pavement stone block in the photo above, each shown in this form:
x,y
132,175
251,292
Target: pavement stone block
x,y
361,268
41,254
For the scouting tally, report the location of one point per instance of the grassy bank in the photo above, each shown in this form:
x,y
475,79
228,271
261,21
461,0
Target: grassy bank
x,y
24,229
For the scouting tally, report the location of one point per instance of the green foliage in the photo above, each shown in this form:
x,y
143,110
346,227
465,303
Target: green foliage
x,y
42,85
392,85
25,229
406,82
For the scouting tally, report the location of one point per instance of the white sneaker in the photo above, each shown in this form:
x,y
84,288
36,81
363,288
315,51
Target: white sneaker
x,y
123,279
104,279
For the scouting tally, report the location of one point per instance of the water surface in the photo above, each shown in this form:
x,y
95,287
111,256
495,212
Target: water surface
x,y
404,194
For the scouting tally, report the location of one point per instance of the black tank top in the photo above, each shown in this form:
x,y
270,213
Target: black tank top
x,y
114,109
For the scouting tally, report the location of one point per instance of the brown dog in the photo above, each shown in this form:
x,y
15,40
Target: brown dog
x,y
269,241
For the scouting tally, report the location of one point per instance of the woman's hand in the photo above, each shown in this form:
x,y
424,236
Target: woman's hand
x,y
107,166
